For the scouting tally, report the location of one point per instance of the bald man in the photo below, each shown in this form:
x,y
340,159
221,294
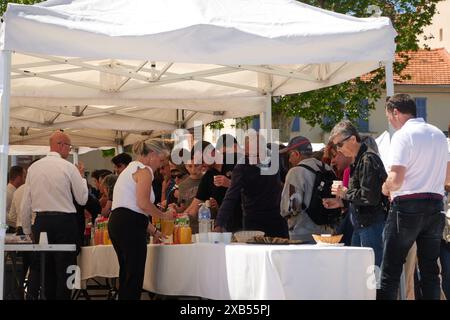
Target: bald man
x,y
51,185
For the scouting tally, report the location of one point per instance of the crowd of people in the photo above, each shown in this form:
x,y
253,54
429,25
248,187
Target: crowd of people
x,y
390,210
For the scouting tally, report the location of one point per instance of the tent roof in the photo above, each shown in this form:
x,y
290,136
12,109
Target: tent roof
x,y
31,150
131,64
197,31
86,138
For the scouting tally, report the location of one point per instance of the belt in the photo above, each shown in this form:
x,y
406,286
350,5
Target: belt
x,y
53,213
420,196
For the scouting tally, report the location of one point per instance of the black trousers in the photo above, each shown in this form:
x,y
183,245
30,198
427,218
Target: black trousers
x,y
419,220
34,275
128,232
61,228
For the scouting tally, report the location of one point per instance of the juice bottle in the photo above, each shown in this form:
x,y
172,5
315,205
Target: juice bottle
x,y
185,234
105,232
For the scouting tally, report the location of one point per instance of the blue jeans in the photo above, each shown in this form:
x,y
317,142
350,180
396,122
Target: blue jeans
x,y
345,227
445,264
371,237
410,220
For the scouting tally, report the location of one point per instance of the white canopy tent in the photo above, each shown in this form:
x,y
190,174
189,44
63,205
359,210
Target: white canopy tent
x,y
30,150
92,138
136,64
384,143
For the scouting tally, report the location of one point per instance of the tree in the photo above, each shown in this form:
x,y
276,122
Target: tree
x,y
409,17
4,3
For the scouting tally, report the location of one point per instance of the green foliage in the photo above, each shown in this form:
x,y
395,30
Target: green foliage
x,y
4,3
216,125
108,153
243,123
409,17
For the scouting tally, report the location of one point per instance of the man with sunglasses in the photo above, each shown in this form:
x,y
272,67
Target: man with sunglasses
x,y
363,194
418,161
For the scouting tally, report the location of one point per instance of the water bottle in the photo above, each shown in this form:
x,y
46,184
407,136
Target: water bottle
x,y
204,221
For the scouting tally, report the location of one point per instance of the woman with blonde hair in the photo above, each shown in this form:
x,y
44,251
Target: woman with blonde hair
x,y
129,220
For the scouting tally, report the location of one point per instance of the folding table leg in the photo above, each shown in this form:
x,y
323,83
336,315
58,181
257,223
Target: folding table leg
x,y
42,291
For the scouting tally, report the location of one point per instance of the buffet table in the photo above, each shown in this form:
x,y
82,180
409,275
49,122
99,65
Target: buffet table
x,y
245,271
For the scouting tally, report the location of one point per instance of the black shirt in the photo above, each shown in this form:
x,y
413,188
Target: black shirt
x,y
367,175
207,189
260,196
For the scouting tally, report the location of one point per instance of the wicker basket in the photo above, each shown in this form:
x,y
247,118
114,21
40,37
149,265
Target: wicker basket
x,y
328,238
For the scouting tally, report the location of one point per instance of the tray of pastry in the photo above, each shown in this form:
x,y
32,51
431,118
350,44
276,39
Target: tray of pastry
x,y
272,240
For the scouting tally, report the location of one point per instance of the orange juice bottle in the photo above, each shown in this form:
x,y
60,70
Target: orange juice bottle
x,y
100,233
176,234
105,233
185,235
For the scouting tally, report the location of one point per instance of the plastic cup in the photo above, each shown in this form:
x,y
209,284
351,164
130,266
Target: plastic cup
x,y
226,237
168,239
202,237
336,185
337,182
43,239
214,237
167,226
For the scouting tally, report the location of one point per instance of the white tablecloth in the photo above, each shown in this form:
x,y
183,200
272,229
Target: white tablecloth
x,y
299,272
98,261
238,271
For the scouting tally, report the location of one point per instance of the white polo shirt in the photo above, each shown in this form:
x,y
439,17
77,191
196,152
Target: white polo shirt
x,y
422,149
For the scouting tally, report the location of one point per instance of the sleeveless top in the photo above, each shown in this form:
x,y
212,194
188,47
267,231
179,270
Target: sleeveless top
x,y
124,195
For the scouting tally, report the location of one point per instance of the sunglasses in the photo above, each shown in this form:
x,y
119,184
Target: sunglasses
x,y
65,144
179,176
340,144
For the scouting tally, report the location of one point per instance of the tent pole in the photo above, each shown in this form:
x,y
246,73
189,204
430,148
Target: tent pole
x,y
388,65
75,156
180,118
262,120
268,117
5,83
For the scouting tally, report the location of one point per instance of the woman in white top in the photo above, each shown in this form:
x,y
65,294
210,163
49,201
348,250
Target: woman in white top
x,y
129,220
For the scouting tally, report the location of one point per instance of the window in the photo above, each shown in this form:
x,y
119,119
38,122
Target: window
x,y
421,105
363,121
256,123
296,125
441,34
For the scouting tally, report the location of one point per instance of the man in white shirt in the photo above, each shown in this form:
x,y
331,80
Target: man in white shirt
x,y
418,161
16,178
14,214
51,185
